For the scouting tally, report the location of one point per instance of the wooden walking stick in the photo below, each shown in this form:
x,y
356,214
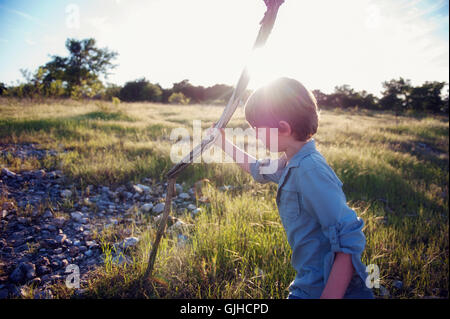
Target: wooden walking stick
x,y
162,226
266,27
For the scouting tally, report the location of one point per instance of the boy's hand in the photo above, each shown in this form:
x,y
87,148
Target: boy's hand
x,y
220,140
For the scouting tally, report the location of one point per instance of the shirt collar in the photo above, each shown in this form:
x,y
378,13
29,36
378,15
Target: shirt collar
x,y
307,149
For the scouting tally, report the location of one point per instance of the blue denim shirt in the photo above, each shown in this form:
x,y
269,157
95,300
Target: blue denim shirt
x,y
317,220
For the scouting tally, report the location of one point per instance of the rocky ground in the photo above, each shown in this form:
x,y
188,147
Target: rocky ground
x,y
47,224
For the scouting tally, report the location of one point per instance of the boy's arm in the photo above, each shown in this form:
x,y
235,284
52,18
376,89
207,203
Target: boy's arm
x,y
235,152
340,276
323,198
249,163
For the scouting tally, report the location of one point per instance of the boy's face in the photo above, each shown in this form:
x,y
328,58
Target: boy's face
x,y
270,137
275,139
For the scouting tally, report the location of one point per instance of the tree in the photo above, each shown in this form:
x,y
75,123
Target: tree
x,y
140,90
82,69
3,89
111,91
194,93
445,102
321,98
396,94
368,100
56,89
166,93
218,92
427,97
178,98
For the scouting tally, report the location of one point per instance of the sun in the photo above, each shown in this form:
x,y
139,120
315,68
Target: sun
x,y
264,65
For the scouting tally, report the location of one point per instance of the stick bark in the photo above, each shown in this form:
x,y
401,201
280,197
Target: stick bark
x,y
162,225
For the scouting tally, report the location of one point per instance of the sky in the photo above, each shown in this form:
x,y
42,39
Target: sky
x,y
321,43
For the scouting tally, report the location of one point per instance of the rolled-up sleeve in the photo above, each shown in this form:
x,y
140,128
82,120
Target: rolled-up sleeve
x,y
322,197
257,170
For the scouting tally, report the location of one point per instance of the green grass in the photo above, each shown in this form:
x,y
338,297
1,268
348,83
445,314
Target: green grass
x,y
237,246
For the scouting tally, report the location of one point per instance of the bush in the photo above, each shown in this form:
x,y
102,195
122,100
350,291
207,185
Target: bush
x,y
56,89
115,101
111,91
179,98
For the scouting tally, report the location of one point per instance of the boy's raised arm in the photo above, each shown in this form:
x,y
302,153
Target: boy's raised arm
x,y
235,152
250,164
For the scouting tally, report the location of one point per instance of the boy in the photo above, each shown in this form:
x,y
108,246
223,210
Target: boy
x,y
325,235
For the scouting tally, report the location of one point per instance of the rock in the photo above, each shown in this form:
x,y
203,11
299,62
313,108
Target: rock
x,y
159,208
80,292
4,293
105,189
2,243
397,284
50,243
146,208
47,214
137,189
61,238
128,242
91,244
22,220
66,193
59,221
178,226
141,189
112,222
184,196
78,228
77,216
8,173
39,174
170,220
43,270
49,227
191,207
136,196
73,251
43,261
145,189
178,188
127,195
121,259
64,263
17,275
8,205
35,282
384,292
25,271
45,294
56,174
182,240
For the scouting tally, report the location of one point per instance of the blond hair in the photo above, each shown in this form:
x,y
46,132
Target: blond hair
x,y
287,100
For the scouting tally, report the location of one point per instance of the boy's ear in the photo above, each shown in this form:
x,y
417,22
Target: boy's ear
x,y
284,128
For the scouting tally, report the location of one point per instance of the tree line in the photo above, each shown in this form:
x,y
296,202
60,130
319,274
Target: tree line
x,y
79,75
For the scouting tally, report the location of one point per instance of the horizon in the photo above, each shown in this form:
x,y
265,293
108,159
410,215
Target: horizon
x,y
166,46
